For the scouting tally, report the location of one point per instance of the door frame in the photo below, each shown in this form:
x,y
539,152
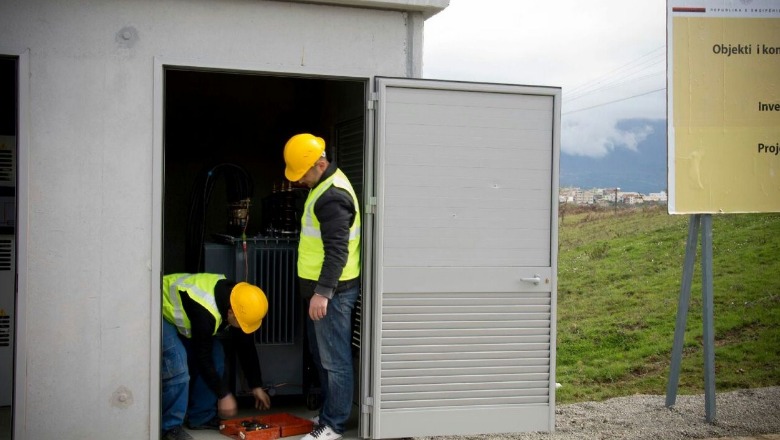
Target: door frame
x,y
21,232
158,171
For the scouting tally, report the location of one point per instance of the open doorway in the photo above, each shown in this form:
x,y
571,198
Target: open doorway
x,y
224,185
8,135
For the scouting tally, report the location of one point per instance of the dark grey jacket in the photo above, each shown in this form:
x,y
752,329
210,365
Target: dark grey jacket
x,y
336,213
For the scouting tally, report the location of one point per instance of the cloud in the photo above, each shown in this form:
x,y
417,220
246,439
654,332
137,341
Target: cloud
x,y
598,137
596,131
563,42
608,57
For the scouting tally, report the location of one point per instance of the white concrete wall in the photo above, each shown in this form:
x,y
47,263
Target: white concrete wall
x,y
87,367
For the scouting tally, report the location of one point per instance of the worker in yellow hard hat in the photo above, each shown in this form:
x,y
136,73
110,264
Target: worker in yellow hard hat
x,y
195,308
328,268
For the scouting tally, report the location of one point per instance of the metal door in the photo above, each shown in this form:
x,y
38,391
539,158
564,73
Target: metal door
x,y
464,268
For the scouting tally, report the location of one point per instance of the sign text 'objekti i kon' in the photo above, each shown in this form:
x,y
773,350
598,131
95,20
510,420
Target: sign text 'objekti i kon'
x,y
745,49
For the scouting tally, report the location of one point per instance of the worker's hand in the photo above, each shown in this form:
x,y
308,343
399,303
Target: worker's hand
x,y
262,400
227,407
318,307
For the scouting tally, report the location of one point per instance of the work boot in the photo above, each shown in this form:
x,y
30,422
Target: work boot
x,y
214,424
177,433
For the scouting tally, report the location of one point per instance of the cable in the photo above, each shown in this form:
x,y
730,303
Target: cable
x,y
590,83
614,101
631,71
243,246
615,84
239,187
636,73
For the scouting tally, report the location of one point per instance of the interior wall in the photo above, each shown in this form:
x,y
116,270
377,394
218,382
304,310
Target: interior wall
x,y
91,275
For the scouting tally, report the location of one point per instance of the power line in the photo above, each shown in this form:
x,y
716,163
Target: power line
x,y
635,69
596,81
617,83
614,101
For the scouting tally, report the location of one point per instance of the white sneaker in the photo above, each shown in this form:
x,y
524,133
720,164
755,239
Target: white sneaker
x,y
322,432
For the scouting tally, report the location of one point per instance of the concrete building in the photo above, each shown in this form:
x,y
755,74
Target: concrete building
x,y
120,107
657,197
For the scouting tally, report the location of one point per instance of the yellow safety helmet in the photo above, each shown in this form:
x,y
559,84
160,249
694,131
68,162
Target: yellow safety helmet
x,y
300,154
249,304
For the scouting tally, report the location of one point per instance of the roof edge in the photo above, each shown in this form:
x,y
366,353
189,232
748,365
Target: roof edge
x,y
429,8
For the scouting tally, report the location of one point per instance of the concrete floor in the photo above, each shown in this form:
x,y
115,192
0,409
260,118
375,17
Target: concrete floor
x,y
279,405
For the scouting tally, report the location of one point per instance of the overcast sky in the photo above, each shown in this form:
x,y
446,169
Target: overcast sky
x,y
609,57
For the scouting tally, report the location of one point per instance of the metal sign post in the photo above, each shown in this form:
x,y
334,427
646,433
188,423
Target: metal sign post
x,y
705,220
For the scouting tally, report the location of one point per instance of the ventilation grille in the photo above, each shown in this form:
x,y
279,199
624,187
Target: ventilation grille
x,y
350,147
357,324
465,350
5,331
276,272
7,165
6,255
350,150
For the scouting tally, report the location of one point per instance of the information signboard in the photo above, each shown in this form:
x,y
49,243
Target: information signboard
x,y
723,92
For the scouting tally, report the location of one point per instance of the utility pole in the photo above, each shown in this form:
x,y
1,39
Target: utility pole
x,y
616,192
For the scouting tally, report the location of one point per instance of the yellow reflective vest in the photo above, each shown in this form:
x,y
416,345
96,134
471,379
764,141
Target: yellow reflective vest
x,y
199,287
311,252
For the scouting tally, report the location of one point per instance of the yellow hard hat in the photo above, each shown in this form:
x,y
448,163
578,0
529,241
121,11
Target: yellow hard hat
x,y
300,154
249,304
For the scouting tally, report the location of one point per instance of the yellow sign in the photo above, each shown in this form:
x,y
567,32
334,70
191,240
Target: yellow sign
x,y
724,107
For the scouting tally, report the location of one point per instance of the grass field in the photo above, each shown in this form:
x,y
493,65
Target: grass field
x,y
619,276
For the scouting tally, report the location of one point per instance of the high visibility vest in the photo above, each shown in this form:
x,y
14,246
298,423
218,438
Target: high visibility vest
x,y
311,252
200,288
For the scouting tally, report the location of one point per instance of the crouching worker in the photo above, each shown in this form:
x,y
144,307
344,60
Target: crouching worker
x,y
195,308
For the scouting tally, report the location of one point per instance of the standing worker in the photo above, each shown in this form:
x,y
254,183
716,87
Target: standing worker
x,y
328,268
195,308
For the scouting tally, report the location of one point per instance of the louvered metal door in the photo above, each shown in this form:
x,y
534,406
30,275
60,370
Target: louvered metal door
x,y
463,322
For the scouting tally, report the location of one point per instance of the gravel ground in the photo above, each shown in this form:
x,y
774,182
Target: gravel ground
x,y
743,413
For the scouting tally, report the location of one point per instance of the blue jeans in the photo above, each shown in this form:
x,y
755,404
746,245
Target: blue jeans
x,y
330,341
181,396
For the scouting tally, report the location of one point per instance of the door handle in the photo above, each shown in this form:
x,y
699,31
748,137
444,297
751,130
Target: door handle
x,y
536,279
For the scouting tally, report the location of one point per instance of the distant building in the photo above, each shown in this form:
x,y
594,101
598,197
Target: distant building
x,y
607,196
657,197
630,198
584,197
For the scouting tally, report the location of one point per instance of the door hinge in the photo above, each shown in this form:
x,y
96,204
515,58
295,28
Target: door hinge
x,y
367,404
371,206
372,100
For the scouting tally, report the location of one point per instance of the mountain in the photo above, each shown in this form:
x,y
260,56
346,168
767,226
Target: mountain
x,y
643,170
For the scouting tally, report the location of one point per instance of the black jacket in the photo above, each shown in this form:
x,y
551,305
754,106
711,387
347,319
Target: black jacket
x,y
336,212
202,341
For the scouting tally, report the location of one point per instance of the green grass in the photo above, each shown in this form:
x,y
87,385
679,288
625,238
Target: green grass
x,y
619,276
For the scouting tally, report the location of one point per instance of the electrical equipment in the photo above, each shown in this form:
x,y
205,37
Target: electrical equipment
x,y
239,187
269,263
284,205
238,216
